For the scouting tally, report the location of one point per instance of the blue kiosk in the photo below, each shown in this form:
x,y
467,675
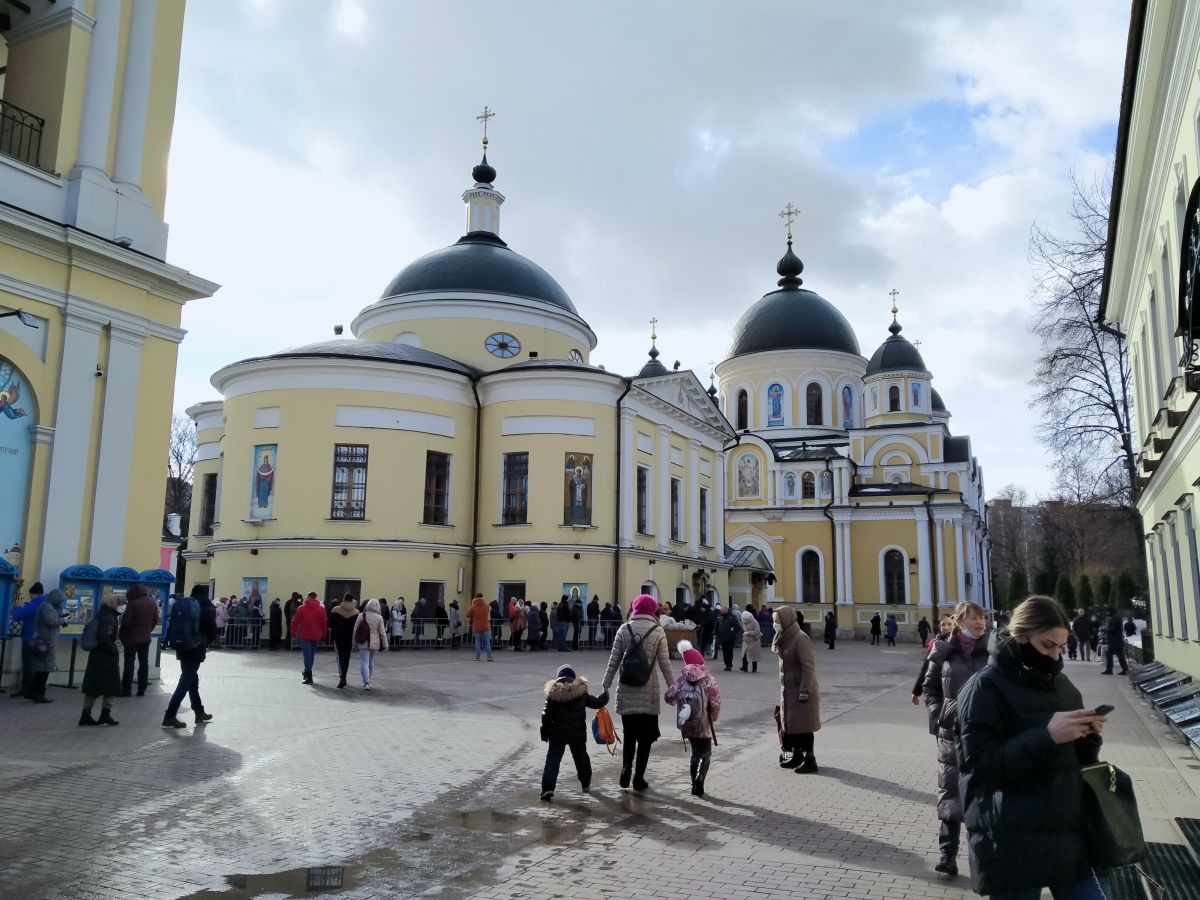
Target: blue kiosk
x,y
8,578
82,585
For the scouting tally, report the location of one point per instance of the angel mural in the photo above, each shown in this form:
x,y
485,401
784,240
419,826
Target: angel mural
x,y
10,391
747,476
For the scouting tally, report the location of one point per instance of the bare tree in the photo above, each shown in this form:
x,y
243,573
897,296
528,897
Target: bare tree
x,y
1008,525
1083,379
181,462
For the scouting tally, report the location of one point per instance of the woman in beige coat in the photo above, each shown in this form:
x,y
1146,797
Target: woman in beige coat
x,y
376,640
638,704
751,640
799,692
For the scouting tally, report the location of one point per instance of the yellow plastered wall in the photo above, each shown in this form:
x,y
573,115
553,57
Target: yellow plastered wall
x,y
46,76
547,455
950,560
164,84
463,339
304,476
870,537
544,574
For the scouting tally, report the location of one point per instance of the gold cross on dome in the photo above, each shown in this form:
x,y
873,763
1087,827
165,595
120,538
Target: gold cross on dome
x,y
788,214
484,117
653,329
893,293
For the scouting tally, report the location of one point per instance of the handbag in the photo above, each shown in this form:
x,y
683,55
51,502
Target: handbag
x,y
785,742
1112,828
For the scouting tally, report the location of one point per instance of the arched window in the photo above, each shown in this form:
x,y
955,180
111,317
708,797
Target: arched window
x,y
894,399
810,577
808,486
743,410
813,404
894,575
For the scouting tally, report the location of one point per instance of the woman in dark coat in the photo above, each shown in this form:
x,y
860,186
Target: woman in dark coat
x,y
275,628
1023,738
799,690
876,631
102,677
951,664
830,629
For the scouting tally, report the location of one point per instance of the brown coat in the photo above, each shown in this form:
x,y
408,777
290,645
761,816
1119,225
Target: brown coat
x,y
797,675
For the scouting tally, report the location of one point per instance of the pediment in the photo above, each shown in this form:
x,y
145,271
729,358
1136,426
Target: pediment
x,y
684,391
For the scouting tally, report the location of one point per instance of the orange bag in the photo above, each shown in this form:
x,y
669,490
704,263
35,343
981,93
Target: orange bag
x,y
604,731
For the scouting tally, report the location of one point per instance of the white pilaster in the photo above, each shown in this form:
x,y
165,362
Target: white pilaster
x,y
74,412
924,569
848,565
960,573
135,94
662,465
693,498
939,556
96,124
1152,577
628,485
720,469
116,450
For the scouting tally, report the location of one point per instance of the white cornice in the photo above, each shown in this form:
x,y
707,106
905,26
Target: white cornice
x,y
298,373
664,414
351,544
32,27
563,385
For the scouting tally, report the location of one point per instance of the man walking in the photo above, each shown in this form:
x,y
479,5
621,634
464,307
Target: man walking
x,y
1081,627
593,617
137,624
1115,637
190,629
729,627
26,614
309,625
479,616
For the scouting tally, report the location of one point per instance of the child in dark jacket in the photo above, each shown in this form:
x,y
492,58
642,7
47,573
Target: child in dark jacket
x,y
698,699
564,724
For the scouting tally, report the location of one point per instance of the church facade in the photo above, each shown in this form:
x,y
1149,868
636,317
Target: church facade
x,y
461,441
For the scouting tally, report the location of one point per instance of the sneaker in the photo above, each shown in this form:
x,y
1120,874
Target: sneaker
x,y
491,659
173,722
476,659
366,687
547,796
808,767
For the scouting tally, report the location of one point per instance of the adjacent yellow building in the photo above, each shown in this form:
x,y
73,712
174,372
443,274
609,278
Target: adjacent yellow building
x,y
89,308
845,481
1151,288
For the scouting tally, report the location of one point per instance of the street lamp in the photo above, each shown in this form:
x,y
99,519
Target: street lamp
x,y
26,318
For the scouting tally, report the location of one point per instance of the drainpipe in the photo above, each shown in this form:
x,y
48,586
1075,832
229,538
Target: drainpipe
x,y
934,552
832,543
475,502
616,595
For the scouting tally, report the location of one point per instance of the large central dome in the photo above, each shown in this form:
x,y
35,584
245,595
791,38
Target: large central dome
x,y
479,263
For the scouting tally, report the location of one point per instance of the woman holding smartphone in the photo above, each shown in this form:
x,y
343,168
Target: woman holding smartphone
x,y
1023,738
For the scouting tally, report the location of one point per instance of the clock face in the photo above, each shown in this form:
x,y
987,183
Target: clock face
x,y
576,355
505,346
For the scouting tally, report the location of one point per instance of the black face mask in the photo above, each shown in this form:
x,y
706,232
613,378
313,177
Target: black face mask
x,y
1039,662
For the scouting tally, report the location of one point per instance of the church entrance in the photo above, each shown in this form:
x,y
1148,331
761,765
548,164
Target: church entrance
x,y
337,588
511,590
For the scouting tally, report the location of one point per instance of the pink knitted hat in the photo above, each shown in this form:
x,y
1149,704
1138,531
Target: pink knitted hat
x,y
645,605
690,654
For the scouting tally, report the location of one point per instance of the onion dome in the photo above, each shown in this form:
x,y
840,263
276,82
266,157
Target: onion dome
x,y
653,367
483,173
792,318
896,354
935,401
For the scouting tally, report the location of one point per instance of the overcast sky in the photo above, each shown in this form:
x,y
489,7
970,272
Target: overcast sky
x,y
645,150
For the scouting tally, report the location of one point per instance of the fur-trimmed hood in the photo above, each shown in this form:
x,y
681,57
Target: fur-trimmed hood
x,y
565,691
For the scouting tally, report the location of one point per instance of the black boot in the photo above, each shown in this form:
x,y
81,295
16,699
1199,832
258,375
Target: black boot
x,y
106,717
808,766
201,715
170,721
86,718
947,864
626,775
694,765
698,781
743,664
639,771
754,667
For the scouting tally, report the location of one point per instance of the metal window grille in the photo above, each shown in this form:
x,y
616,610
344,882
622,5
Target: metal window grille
x,y
20,133
643,500
208,507
514,508
437,488
812,397
676,529
349,482
704,517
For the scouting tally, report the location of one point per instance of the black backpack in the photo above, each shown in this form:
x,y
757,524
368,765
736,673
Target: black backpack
x,y
635,664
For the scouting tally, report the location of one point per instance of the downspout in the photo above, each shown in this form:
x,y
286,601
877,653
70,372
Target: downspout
x,y
934,552
475,501
832,542
616,595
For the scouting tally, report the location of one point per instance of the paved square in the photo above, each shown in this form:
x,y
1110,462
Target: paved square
x,y
428,786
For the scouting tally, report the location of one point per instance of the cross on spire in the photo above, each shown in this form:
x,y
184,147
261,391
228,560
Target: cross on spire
x,y
893,293
653,329
484,117
788,214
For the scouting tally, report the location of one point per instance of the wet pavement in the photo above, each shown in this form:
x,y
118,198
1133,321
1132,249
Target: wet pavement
x,y
428,786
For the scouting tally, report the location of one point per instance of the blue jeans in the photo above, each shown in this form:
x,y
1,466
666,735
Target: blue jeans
x,y
309,649
1088,889
189,684
483,639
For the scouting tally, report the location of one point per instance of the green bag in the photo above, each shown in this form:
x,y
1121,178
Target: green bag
x,y
1112,827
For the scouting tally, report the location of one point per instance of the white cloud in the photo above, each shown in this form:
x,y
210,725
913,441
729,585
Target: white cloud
x,y
350,19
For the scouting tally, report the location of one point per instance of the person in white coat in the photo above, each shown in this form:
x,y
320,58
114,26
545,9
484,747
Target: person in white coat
x,y
376,639
751,640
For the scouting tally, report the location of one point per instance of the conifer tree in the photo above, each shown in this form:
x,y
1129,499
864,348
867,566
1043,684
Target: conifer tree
x,y
1083,594
1064,593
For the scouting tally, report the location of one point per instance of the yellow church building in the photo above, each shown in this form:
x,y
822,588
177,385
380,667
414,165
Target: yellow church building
x,y
89,307
461,441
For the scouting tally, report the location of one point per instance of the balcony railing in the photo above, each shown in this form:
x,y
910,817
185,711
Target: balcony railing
x,y
20,134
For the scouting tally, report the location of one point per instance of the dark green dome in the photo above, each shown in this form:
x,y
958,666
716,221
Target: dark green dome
x,y
896,354
935,401
793,320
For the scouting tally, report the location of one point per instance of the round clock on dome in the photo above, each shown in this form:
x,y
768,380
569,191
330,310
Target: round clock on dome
x,y
502,345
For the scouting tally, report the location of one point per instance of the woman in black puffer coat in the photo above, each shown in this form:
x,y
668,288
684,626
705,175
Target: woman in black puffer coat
x,y
1023,738
102,677
952,662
